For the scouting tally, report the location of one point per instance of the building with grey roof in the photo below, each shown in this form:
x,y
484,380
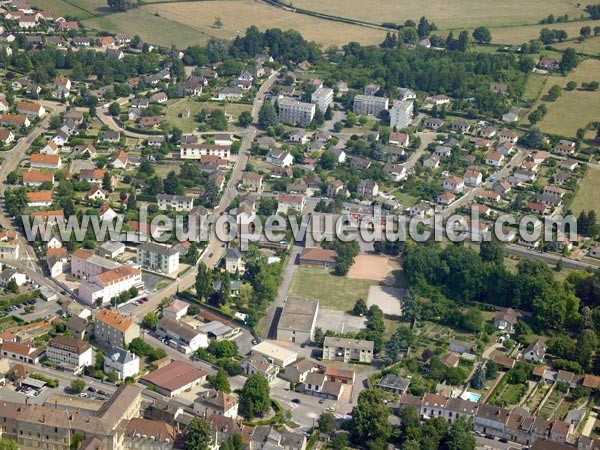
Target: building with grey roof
x,y
157,257
122,362
347,350
298,319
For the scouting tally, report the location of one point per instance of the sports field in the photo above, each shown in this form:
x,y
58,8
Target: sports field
x,y
239,15
588,197
445,14
573,109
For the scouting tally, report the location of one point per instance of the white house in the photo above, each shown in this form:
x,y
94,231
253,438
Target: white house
x,y
280,158
454,184
176,202
124,363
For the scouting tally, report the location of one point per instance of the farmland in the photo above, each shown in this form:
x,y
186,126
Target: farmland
x,y
239,15
573,109
520,34
149,27
465,13
587,197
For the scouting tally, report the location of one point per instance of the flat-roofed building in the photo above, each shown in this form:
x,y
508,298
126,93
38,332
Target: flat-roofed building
x,y
369,105
401,114
295,112
174,378
322,97
298,319
275,354
347,350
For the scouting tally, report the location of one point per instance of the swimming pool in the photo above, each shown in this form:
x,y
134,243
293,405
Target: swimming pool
x,y
473,397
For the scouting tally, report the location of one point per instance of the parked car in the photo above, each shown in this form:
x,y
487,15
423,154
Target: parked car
x,y
296,400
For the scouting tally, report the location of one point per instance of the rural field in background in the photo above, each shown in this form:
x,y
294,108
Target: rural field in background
x,y
445,14
573,109
587,197
237,15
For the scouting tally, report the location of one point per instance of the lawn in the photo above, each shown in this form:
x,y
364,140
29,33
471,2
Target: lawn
x,y
588,197
237,16
188,125
149,27
463,13
573,109
332,291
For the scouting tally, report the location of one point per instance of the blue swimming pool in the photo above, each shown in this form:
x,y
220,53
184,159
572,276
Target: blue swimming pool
x,y
473,397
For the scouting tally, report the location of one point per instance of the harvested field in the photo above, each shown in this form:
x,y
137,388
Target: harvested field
x,y
389,299
370,267
588,197
237,16
463,13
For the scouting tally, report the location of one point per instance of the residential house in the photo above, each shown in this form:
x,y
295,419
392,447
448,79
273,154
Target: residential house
x,y
535,352
453,184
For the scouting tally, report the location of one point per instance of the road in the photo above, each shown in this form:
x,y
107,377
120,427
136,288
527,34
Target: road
x,y
215,249
12,160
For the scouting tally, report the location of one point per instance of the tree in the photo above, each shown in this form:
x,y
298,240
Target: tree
x,y
7,444
222,349
585,32
492,250
478,379
267,116
12,178
370,418
463,41
460,437
411,304
326,422
219,381
12,286
360,308
218,23
568,60
197,435
150,320
534,137
218,120
203,282
255,396
482,35
77,385
107,181
119,5
114,109
571,85
245,118
456,376
473,320
554,92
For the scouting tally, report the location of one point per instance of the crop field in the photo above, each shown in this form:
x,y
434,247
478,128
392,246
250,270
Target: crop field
x,y
239,15
520,34
573,109
445,14
81,10
149,27
587,197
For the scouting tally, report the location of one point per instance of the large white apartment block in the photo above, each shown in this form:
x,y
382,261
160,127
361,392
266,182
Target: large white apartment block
x,y
157,257
113,330
85,265
369,104
196,151
104,287
69,353
176,202
401,114
322,97
295,112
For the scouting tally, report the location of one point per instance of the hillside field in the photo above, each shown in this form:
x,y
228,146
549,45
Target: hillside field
x,y
587,197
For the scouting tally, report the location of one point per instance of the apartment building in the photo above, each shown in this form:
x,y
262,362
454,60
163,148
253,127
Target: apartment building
x,y
70,354
401,114
218,403
369,104
196,150
37,426
347,350
113,330
322,97
295,112
84,264
104,287
158,258
176,202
